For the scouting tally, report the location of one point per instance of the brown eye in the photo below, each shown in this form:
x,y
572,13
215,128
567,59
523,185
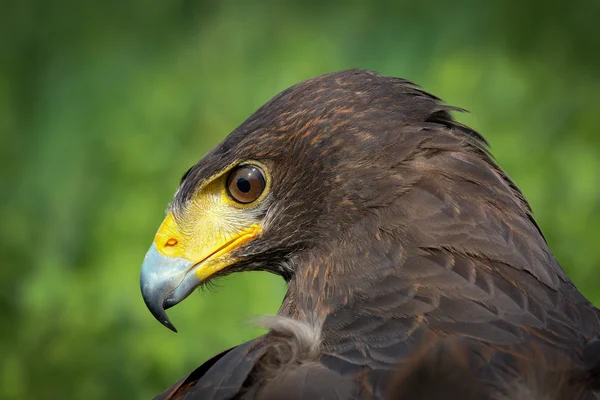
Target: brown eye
x,y
245,184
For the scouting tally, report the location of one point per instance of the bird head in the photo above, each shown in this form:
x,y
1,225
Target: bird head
x,y
321,163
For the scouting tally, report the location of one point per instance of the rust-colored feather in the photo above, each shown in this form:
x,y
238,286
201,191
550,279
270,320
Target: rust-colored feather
x,y
406,248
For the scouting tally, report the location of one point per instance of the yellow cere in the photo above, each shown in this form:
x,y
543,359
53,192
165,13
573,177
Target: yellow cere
x,y
208,230
167,238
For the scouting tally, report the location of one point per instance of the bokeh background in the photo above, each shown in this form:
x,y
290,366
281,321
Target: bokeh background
x,y
104,104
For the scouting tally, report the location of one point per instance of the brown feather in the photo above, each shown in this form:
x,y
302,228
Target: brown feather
x,y
410,254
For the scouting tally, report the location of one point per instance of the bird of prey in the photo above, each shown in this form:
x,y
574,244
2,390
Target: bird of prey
x,y
414,267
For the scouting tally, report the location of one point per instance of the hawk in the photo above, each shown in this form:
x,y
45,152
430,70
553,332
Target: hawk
x,y
414,266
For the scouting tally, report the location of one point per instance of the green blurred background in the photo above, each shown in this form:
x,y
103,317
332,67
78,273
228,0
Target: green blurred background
x,y
103,106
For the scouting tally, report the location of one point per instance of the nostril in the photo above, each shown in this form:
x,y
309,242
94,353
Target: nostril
x,y
171,242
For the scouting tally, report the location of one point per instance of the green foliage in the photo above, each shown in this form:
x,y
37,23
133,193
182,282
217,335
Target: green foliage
x,y
103,105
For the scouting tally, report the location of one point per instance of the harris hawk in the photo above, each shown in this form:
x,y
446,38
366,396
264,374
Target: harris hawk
x,y
414,267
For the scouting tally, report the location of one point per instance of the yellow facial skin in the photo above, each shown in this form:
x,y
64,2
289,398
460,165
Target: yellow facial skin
x,y
196,241
210,254
209,229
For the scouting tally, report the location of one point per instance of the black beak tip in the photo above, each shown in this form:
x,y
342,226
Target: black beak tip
x,y
161,316
157,308
169,325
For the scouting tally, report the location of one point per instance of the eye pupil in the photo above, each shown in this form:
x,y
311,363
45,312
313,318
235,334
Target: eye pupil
x,y
245,184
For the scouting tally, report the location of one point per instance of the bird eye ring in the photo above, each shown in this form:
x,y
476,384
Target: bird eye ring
x,y
246,183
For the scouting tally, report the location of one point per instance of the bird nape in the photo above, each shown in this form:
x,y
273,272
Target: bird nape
x,y
414,267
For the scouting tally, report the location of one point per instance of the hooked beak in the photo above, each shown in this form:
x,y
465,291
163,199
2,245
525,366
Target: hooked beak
x,y
165,282
175,265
